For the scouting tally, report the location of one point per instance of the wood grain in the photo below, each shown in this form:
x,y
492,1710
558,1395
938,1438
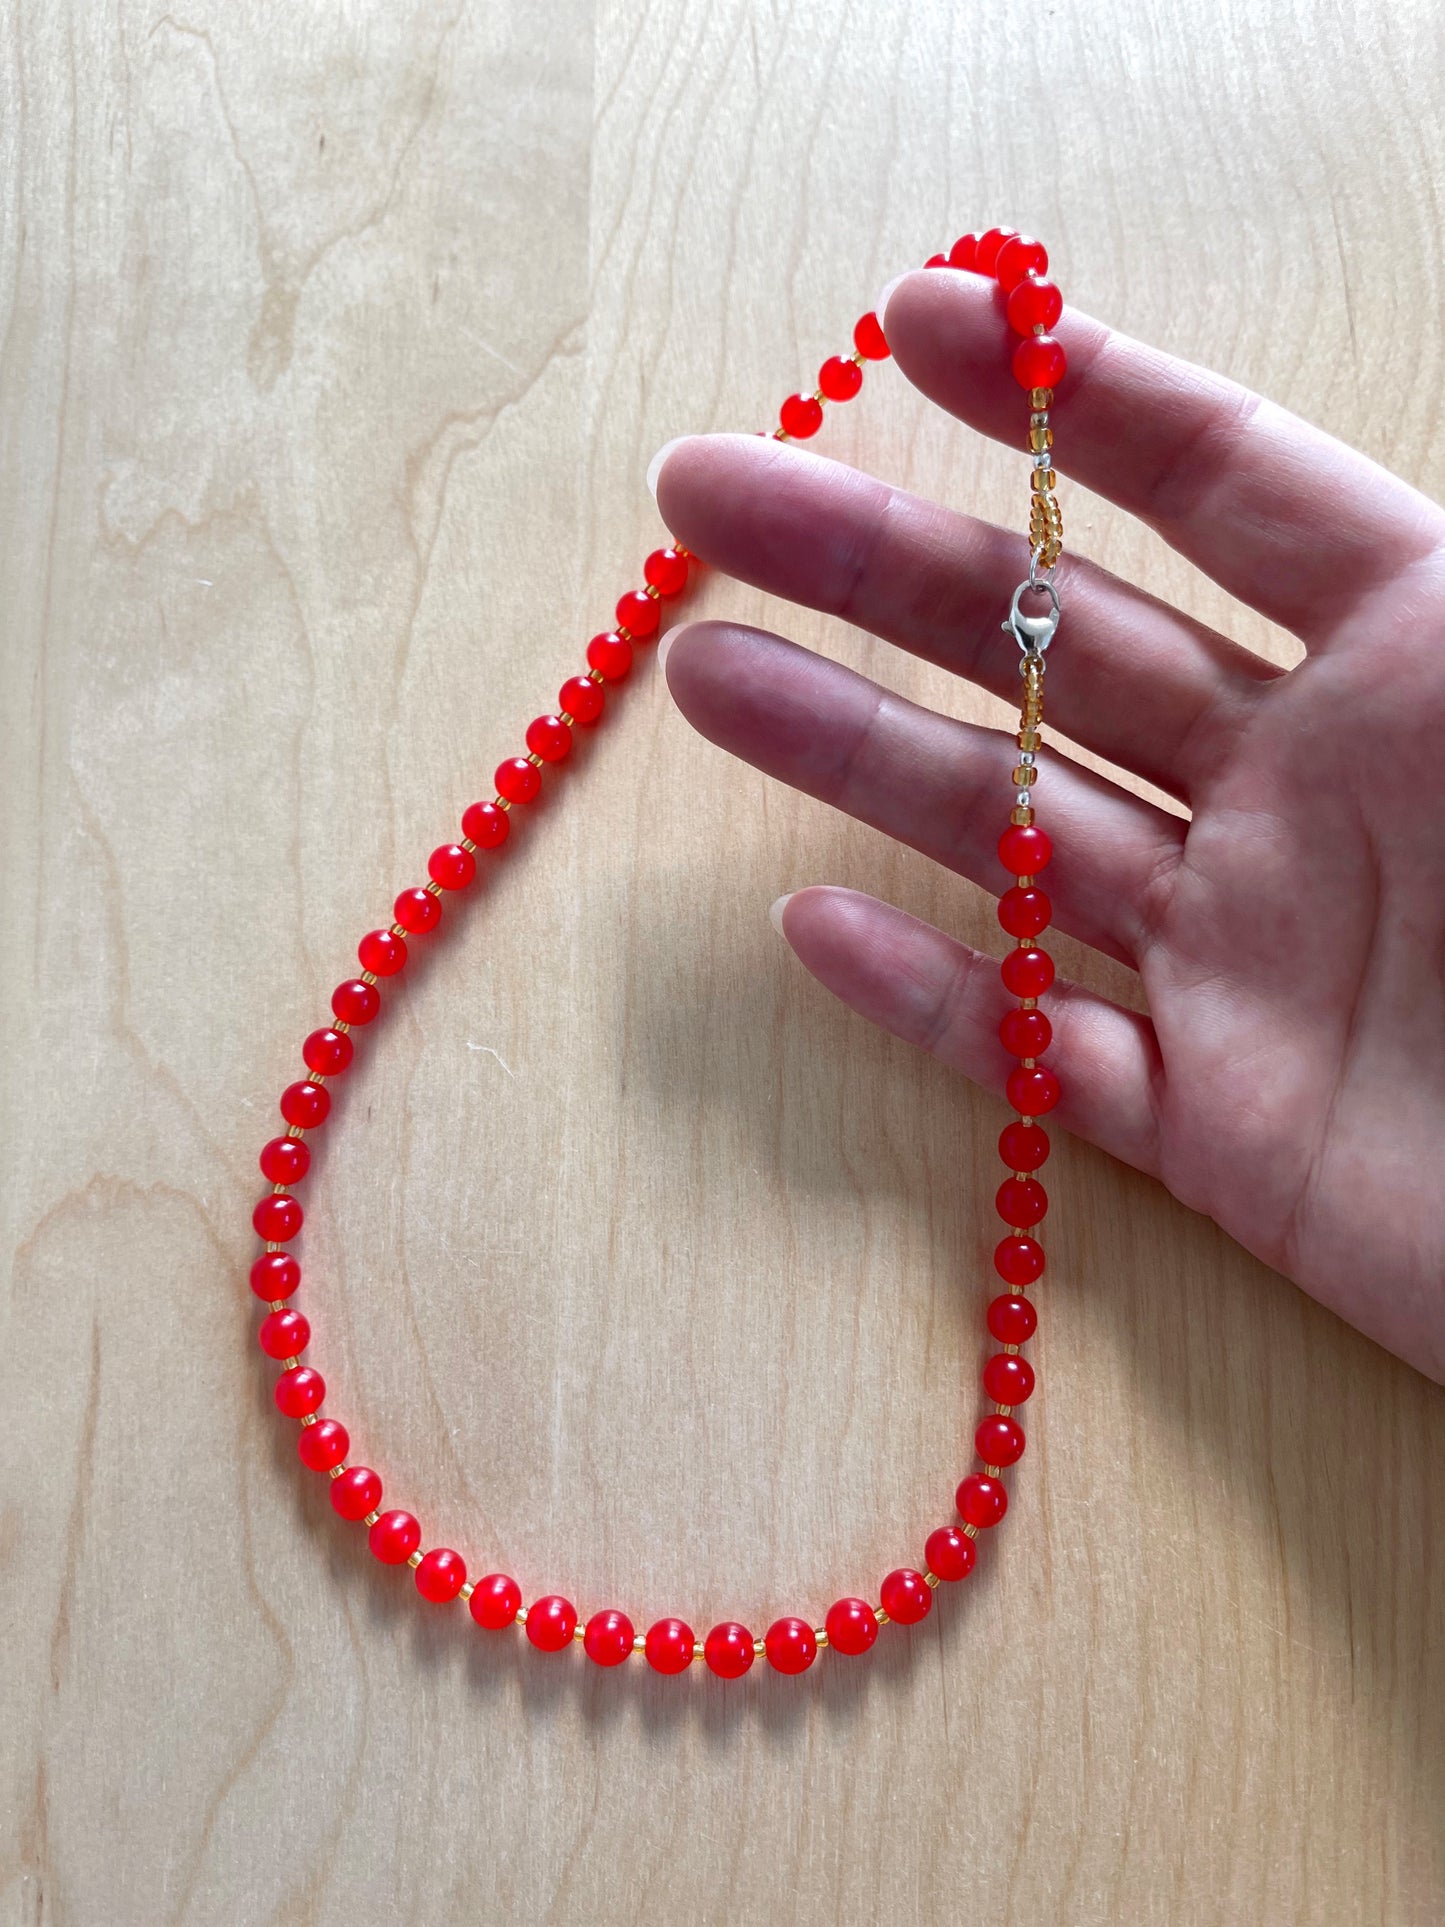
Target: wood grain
x,y
335,344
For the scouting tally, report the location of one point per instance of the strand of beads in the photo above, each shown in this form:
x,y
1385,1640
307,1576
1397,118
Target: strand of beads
x,y
495,1602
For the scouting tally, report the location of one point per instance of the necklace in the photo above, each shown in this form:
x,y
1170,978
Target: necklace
x,y
1019,264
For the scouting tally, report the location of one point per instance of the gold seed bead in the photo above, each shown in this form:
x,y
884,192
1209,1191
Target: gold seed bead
x,y
1041,437
368,976
994,1471
1012,1350
414,1561
1028,1003
1028,1063
341,1025
469,846
1024,776
501,803
433,889
296,1130
639,1643
398,930
858,356
820,1633
315,1077
579,1632
760,1646
566,716
1041,398
522,1615
652,590
337,1470
1003,1411
781,435
930,1579
1028,737
1043,478
1022,815
819,396
289,1365
970,1532
371,1518
277,1304
467,1590
1025,883
534,759
697,1649
596,675
880,1615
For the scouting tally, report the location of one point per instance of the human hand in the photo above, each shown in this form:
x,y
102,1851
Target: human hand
x,y
1289,1078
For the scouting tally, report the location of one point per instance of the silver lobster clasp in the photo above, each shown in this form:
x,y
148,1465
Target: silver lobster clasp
x,y
1033,634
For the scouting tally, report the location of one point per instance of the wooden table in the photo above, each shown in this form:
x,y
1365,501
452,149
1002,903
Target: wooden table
x,y
336,342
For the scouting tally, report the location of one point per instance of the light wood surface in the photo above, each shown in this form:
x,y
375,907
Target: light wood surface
x,y
335,345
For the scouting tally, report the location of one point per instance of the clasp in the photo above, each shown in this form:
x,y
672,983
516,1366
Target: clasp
x,y
1033,634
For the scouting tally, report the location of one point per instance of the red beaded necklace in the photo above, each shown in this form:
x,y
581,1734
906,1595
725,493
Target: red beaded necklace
x,y
1020,265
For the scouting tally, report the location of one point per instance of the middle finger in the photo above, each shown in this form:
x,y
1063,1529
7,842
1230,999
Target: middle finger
x,y
937,584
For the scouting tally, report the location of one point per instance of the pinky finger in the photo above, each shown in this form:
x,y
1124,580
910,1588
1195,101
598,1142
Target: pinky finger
x,y
933,991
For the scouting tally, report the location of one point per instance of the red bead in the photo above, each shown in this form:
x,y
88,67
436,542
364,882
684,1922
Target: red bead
x,y
1012,1320
610,655
355,1001
1034,303
868,338
906,1596
357,1493
451,866
840,378
791,1645
669,1646
284,1334
1021,1201
936,261
581,699
394,1538
1025,1033
1032,1092
728,1650
1024,850
275,1275
486,826
322,1445
1008,1379
305,1105
299,1391
608,1638
801,416
1039,362
949,1553
1027,973
666,571
550,738
851,1626
1024,911
495,1601
551,1623
285,1160
964,251
638,612
441,1575
990,244
517,780
382,952
417,911
1023,1147
328,1052
1019,1261
999,1440
277,1218
1019,256
982,1500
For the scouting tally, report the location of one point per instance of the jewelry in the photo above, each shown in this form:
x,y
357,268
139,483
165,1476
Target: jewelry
x,y
1033,304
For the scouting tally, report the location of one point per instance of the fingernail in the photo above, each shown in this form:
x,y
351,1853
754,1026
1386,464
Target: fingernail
x,y
776,909
654,467
664,645
880,306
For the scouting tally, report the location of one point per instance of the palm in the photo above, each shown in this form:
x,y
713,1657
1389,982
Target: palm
x,y
1289,1077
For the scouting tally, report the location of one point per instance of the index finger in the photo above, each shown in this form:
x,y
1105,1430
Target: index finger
x,y
1282,515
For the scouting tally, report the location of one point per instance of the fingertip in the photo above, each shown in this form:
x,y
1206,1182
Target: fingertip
x,y
776,909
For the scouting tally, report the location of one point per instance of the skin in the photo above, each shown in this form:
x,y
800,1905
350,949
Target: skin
x,y
1288,933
